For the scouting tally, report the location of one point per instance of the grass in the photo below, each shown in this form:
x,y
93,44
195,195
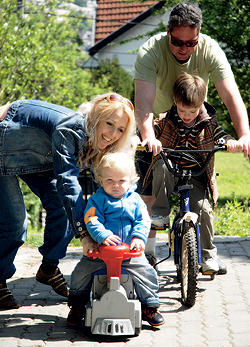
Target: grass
x,y
234,176
233,207
35,239
233,182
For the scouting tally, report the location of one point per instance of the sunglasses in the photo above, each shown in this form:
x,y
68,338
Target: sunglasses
x,y
119,98
179,43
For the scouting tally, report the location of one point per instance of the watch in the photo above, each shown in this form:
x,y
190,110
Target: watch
x,y
86,233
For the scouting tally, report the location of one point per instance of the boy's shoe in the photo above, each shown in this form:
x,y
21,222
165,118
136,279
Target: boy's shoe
x,y
153,316
56,281
222,266
75,316
7,300
159,221
209,265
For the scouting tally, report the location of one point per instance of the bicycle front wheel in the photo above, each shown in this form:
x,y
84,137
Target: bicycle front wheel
x,y
189,268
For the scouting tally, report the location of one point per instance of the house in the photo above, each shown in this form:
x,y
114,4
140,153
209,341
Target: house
x,y
118,21
64,9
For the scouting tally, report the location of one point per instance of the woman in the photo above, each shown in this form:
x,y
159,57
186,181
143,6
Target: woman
x,y
46,145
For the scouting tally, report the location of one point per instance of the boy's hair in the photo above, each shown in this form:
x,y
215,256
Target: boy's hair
x,y
187,15
119,161
189,90
98,109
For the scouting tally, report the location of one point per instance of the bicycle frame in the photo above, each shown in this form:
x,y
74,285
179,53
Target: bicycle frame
x,y
187,246
184,188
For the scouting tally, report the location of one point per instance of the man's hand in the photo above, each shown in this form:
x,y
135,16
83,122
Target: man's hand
x,y
88,244
244,145
153,144
137,244
232,146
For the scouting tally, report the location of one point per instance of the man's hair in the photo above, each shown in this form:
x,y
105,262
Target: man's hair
x,y
189,90
187,15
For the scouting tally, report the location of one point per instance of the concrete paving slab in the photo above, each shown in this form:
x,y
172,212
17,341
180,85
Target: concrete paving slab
x,y
220,316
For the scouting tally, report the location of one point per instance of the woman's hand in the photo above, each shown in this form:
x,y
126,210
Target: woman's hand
x,y
88,244
137,244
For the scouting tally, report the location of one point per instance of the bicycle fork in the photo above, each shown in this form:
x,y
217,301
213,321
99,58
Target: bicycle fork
x,y
188,219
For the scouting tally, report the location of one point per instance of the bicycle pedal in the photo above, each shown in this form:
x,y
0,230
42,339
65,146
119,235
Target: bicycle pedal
x,y
208,272
154,227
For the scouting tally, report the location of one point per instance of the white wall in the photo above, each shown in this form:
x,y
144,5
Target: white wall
x,y
121,52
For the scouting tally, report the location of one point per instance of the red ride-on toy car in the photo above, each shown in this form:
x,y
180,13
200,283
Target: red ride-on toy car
x,y
113,309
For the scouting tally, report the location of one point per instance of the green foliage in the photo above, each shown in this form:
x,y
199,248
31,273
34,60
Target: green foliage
x,y
233,219
234,194
112,78
34,239
228,22
37,56
33,206
234,179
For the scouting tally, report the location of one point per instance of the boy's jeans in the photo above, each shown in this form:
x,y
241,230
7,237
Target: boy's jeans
x,y
163,186
143,274
13,221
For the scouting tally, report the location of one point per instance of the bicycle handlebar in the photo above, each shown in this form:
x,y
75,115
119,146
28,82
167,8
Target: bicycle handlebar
x,y
176,173
182,151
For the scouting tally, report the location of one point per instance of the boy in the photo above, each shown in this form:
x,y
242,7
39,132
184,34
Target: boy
x,y
114,214
190,124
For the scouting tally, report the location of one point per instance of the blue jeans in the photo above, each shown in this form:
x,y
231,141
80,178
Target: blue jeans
x,y
142,273
13,220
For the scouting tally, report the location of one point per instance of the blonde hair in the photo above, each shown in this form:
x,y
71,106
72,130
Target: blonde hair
x,y
189,90
119,161
100,109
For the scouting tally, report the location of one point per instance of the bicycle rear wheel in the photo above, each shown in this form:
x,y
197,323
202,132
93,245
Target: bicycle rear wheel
x,y
189,268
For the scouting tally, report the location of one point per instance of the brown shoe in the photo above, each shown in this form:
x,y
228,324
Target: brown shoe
x,y
7,300
56,281
153,316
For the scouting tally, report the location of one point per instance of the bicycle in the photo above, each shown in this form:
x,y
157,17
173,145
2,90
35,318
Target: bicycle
x,y
184,234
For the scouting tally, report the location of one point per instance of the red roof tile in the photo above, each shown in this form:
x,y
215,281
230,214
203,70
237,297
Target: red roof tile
x,y
112,14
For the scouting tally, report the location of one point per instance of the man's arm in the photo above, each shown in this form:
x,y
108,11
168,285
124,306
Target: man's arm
x,y
144,98
230,95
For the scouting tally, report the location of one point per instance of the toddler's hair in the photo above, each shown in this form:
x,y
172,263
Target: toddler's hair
x,y
120,162
189,90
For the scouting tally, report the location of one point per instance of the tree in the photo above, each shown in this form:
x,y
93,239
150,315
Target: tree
x,y
111,76
37,56
37,61
228,22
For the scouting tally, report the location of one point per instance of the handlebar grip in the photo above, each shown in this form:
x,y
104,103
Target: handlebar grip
x,y
94,254
132,254
142,148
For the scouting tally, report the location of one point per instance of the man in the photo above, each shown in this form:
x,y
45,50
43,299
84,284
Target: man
x,y
159,63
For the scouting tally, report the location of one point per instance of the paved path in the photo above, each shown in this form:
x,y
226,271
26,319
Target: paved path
x,y
220,317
